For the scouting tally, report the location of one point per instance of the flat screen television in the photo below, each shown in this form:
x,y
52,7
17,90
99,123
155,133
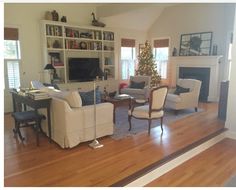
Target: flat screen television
x,y
80,68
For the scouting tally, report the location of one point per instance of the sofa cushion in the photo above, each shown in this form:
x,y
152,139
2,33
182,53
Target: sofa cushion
x,y
180,90
88,97
73,99
137,85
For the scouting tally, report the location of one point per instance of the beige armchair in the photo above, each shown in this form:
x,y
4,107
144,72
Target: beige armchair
x,y
184,100
138,93
152,111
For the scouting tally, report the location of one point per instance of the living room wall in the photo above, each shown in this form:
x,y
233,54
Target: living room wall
x,y
231,108
193,18
27,16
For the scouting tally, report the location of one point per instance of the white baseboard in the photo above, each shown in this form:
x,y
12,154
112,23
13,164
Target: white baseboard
x,y
142,181
231,134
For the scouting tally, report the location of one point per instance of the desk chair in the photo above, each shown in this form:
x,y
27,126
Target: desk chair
x,y
26,119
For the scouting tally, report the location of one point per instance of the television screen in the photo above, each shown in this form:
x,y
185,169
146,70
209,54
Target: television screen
x,y
80,68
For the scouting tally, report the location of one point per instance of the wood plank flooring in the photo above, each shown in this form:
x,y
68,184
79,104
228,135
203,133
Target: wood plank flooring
x,y
49,165
213,167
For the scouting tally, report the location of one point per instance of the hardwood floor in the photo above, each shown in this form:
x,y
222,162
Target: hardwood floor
x,y
213,167
49,165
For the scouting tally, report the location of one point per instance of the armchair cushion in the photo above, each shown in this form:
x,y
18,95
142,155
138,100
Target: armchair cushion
x,y
180,90
137,85
143,112
173,98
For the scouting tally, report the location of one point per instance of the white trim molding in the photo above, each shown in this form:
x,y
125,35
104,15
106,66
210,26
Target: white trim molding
x,y
211,62
144,180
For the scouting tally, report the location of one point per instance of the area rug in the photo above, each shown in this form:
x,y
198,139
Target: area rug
x,y
231,182
121,129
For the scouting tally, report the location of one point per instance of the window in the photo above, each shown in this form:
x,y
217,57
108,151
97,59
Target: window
x,y
127,58
12,57
161,54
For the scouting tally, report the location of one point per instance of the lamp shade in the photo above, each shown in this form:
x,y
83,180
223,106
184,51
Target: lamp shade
x,y
97,72
49,67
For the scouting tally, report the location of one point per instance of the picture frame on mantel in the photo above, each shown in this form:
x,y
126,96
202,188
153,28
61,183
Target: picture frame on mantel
x,y
195,44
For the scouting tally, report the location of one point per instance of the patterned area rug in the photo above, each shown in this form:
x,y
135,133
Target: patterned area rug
x,y
138,126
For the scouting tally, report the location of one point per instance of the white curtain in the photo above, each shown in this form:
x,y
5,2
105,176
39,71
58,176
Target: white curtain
x,y
128,68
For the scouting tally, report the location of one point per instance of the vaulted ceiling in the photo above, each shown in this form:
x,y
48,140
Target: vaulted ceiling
x,y
138,16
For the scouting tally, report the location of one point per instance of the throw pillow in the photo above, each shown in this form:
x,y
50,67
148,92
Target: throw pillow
x,y
73,99
137,85
88,97
180,90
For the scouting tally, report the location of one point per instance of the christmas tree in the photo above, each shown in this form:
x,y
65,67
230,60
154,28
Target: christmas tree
x,y
147,65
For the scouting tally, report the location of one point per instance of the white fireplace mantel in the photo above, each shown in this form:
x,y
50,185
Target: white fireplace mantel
x,y
211,62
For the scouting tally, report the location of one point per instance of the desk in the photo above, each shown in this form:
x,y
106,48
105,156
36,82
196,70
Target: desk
x,y
35,104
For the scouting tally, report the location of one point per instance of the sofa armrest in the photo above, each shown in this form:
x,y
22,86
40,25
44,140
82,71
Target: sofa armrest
x,y
104,114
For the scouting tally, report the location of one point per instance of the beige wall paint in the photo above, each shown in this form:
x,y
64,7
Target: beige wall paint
x,y
231,106
191,18
27,17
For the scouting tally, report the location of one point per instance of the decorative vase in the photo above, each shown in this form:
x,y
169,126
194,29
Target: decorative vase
x,y
63,19
48,15
55,15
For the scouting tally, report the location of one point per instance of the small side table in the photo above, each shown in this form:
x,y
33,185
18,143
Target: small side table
x,y
118,103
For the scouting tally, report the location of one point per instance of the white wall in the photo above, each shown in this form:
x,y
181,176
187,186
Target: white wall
x,y
191,18
231,106
27,17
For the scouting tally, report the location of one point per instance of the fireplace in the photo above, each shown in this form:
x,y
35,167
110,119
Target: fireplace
x,y
199,73
204,68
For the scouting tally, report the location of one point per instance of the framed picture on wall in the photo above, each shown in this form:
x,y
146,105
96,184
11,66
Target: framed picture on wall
x,y
141,48
195,44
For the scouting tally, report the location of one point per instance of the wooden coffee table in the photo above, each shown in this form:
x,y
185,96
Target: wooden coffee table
x,y
118,103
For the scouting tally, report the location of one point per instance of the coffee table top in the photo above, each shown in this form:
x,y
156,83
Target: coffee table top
x,y
118,99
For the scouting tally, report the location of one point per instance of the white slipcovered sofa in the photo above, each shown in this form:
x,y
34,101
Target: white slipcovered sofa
x,y
72,123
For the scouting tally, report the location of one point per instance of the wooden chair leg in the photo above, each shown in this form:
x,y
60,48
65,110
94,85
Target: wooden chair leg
x,y
149,126
18,131
15,129
37,132
129,119
161,124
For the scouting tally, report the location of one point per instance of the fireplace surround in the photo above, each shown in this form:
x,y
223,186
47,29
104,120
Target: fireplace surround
x,y
197,67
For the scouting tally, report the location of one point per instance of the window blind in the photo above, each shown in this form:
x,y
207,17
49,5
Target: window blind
x,y
161,43
11,34
13,74
127,42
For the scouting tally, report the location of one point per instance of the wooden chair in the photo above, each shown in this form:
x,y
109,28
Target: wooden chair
x,y
24,118
27,119
152,111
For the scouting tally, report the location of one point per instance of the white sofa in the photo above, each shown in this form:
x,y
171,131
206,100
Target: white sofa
x,y
73,123
184,100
